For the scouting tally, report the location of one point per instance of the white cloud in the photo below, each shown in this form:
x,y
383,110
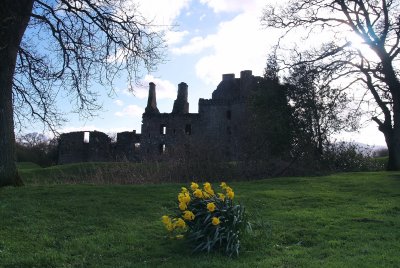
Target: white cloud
x,y
119,102
196,45
161,12
131,111
175,37
164,88
230,5
239,44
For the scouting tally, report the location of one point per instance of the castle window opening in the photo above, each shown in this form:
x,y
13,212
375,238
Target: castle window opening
x,y
228,114
188,129
163,129
228,130
162,148
86,137
137,146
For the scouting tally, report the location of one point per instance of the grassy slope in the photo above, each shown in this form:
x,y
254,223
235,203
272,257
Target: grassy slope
x,y
345,220
27,165
91,172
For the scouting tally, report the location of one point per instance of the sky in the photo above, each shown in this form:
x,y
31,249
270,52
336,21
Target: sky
x,y
208,38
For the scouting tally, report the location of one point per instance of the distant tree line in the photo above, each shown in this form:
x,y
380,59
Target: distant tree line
x,y
37,148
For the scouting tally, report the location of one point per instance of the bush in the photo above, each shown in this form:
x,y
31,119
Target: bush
x,y
209,221
350,157
381,152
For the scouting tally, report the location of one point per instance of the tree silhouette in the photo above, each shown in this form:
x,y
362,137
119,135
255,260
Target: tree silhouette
x,y
377,23
319,111
47,46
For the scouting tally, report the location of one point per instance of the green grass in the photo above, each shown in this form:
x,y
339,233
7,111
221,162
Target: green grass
x,y
96,172
343,220
27,165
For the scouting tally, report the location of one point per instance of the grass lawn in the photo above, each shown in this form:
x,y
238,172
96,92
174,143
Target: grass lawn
x,y
343,220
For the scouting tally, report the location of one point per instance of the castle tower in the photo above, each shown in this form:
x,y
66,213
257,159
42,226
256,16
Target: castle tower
x,y
151,107
181,105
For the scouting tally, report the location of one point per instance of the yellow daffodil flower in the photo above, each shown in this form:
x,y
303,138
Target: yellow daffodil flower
x,y
221,196
184,190
198,193
165,219
211,207
184,198
223,185
215,221
208,188
188,215
194,186
170,227
230,194
180,223
182,206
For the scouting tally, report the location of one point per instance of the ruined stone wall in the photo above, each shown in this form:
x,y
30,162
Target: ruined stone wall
x,y
75,147
127,147
168,135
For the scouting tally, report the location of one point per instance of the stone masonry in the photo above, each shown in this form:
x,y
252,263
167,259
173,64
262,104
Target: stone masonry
x,y
217,127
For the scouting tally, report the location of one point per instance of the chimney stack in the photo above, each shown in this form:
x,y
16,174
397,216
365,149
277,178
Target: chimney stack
x,y
152,101
181,105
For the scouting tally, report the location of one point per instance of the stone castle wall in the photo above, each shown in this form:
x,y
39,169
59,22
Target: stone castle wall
x,y
217,127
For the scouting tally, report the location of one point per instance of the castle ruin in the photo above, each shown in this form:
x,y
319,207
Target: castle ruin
x,y
217,128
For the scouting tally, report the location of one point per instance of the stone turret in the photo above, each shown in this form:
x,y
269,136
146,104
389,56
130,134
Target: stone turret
x,y
151,107
181,105
228,88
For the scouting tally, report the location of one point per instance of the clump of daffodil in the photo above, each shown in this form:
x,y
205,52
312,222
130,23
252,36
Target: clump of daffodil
x,y
228,191
167,223
184,199
208,220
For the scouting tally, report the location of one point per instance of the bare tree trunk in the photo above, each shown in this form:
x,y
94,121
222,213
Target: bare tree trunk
x,y
14,18
394,153
392,133
392,137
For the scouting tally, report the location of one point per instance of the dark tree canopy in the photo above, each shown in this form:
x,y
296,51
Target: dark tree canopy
x,y
53,46
373,67
319,111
